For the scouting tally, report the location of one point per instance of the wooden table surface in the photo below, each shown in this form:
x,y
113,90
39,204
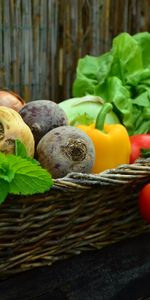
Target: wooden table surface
x,y
118,272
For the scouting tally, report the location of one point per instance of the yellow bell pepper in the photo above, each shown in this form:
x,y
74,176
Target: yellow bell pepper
x,y
111,142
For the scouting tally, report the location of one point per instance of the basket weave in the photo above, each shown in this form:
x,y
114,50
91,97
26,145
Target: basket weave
x,y
81,212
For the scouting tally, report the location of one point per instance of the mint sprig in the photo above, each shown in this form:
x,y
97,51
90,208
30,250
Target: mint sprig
x,y
22,175
20,149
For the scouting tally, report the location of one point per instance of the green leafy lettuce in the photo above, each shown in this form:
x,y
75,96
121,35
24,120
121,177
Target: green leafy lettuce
x,y
120,76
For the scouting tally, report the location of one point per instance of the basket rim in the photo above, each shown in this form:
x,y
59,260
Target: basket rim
x,y
120,175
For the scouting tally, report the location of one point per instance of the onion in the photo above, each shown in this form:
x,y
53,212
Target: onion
x,y
11,99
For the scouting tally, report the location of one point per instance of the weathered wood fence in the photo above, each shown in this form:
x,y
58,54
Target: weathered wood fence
x,y
41,40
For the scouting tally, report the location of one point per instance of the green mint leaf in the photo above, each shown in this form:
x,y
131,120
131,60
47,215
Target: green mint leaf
x,y
4,190
145,152
5,171
29,178
20,149
33,161
2,158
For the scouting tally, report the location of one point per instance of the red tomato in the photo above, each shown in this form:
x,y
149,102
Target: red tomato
x,y
138,141
144,202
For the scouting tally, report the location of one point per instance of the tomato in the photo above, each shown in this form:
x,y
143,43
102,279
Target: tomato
x,y
138,142
144,202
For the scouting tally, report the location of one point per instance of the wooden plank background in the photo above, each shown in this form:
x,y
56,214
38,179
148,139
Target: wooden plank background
x,y
41,40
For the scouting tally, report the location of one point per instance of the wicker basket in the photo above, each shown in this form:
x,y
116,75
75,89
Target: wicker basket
x,y
80,213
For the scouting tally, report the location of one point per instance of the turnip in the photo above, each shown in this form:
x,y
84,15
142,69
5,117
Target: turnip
x,y
12,127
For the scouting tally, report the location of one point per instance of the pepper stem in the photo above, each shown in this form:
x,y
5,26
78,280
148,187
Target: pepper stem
x,y
100,120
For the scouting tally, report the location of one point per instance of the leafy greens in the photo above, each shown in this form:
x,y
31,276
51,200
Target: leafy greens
x,y
120,76
22,175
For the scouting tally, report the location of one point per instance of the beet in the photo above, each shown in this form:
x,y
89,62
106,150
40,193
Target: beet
x,y
66,149
42,116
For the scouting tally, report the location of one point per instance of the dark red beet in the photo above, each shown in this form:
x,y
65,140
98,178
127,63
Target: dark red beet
x,y
66,149
42,116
